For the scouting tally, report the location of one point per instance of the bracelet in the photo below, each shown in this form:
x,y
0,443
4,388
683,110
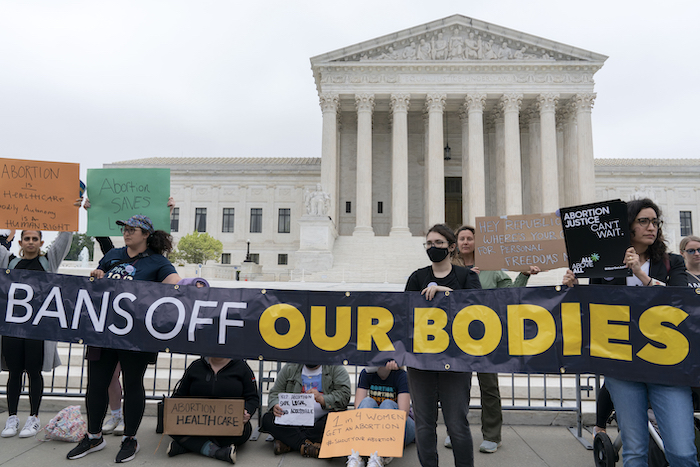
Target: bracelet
x,y
649,283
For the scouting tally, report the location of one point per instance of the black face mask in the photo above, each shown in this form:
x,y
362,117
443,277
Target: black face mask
x,y
437,254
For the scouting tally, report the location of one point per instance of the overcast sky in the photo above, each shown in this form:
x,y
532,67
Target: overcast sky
x,y
100,81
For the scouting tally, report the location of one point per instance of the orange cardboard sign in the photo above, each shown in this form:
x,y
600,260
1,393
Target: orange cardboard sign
x,y
203,417
366,431
39,195
517,242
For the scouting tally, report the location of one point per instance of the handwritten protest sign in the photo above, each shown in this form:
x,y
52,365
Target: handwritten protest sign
x,y
366,431
298,409
118,194
518,242
38,195
597,236
203,417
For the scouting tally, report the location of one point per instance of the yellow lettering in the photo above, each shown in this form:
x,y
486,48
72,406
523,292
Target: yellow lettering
x,y
367,331
342,328
297,326
571,328
430,322
546,329
676,346
492,330
602,331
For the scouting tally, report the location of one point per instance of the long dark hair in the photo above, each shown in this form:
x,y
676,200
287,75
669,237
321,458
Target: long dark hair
x,y
657,250
160,241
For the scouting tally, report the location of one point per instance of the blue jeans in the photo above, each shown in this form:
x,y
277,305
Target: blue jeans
x,y
409,434
673,408
451,389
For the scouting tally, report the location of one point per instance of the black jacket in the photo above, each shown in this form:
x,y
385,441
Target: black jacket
x,y
671,273
235,380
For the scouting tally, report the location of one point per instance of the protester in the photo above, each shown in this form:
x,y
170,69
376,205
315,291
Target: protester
x,y
451,388
330,385
386,387
141,259
690,249
216,377
20,355
6,236
650,264
491,412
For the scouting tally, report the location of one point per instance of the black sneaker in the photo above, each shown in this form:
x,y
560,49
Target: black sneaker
x,y
86,446
175,449
128,450
227,454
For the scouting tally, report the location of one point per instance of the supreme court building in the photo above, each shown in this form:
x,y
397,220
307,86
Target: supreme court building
x,y
443,122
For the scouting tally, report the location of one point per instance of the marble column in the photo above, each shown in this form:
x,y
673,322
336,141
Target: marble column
x,y
329,151
559,116
535,160
500,162
510,104
435,105
473,168
584,138
547,104
399,165
570,165
363,211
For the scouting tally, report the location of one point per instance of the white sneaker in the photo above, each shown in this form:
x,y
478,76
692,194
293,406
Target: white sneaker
x,y
355,460
119,429
11,427
111,424
375,460
448,442
31,428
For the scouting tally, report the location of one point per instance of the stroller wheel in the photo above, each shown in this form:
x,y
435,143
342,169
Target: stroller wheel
x,y
605,455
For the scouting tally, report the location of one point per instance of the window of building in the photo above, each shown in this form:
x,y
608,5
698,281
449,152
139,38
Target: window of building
x,y
282,259
200,219
255,257
686,223
380,207
255,220
284,220
348,207
175,220
226,258
227,222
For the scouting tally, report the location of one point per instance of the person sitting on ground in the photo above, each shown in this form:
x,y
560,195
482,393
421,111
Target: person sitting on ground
x,y
386,387
330,385
216,377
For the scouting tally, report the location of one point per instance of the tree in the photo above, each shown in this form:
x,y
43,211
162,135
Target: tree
x,y
79,241
197,248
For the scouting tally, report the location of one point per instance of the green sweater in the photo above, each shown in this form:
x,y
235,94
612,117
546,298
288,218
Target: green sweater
x,y
499,280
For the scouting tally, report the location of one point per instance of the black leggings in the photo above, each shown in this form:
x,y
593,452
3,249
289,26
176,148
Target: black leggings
x,y
23,355
99,377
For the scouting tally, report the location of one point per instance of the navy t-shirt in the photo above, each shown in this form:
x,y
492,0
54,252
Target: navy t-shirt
x,y
146,266
381,389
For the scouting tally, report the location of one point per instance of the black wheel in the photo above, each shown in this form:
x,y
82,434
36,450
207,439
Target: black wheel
x,y
603,450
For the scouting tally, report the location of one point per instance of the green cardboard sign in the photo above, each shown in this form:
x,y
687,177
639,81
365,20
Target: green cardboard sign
x,y
118,194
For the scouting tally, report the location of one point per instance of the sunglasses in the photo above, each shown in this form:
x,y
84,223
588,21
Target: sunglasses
x,y
692,251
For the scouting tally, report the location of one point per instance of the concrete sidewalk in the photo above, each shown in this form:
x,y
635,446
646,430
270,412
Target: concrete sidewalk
x,y
523,446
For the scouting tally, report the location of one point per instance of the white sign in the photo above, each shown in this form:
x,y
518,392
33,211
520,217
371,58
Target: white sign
x,y
298,409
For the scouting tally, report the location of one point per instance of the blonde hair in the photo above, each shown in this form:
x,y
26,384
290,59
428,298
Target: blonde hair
x,y
686,240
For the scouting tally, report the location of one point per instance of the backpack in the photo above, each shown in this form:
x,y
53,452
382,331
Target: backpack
x,y
68,425
42,260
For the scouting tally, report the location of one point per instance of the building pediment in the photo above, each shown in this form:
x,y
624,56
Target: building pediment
x,y
458,39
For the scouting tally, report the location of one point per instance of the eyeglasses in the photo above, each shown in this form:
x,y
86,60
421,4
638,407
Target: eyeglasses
x,y
644,222
436,244
129,230
692,251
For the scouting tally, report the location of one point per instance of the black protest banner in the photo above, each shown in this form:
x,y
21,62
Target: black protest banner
x,y
643,333
597,236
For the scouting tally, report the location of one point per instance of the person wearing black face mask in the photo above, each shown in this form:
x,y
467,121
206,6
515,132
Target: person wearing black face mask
x,y
451,388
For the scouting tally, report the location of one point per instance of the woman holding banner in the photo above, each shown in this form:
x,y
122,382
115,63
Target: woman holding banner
x,y
141,259
491,413
451,388
690,249
32,356
650,264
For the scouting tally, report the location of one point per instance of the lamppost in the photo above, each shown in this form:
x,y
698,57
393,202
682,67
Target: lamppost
x,y
247,253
